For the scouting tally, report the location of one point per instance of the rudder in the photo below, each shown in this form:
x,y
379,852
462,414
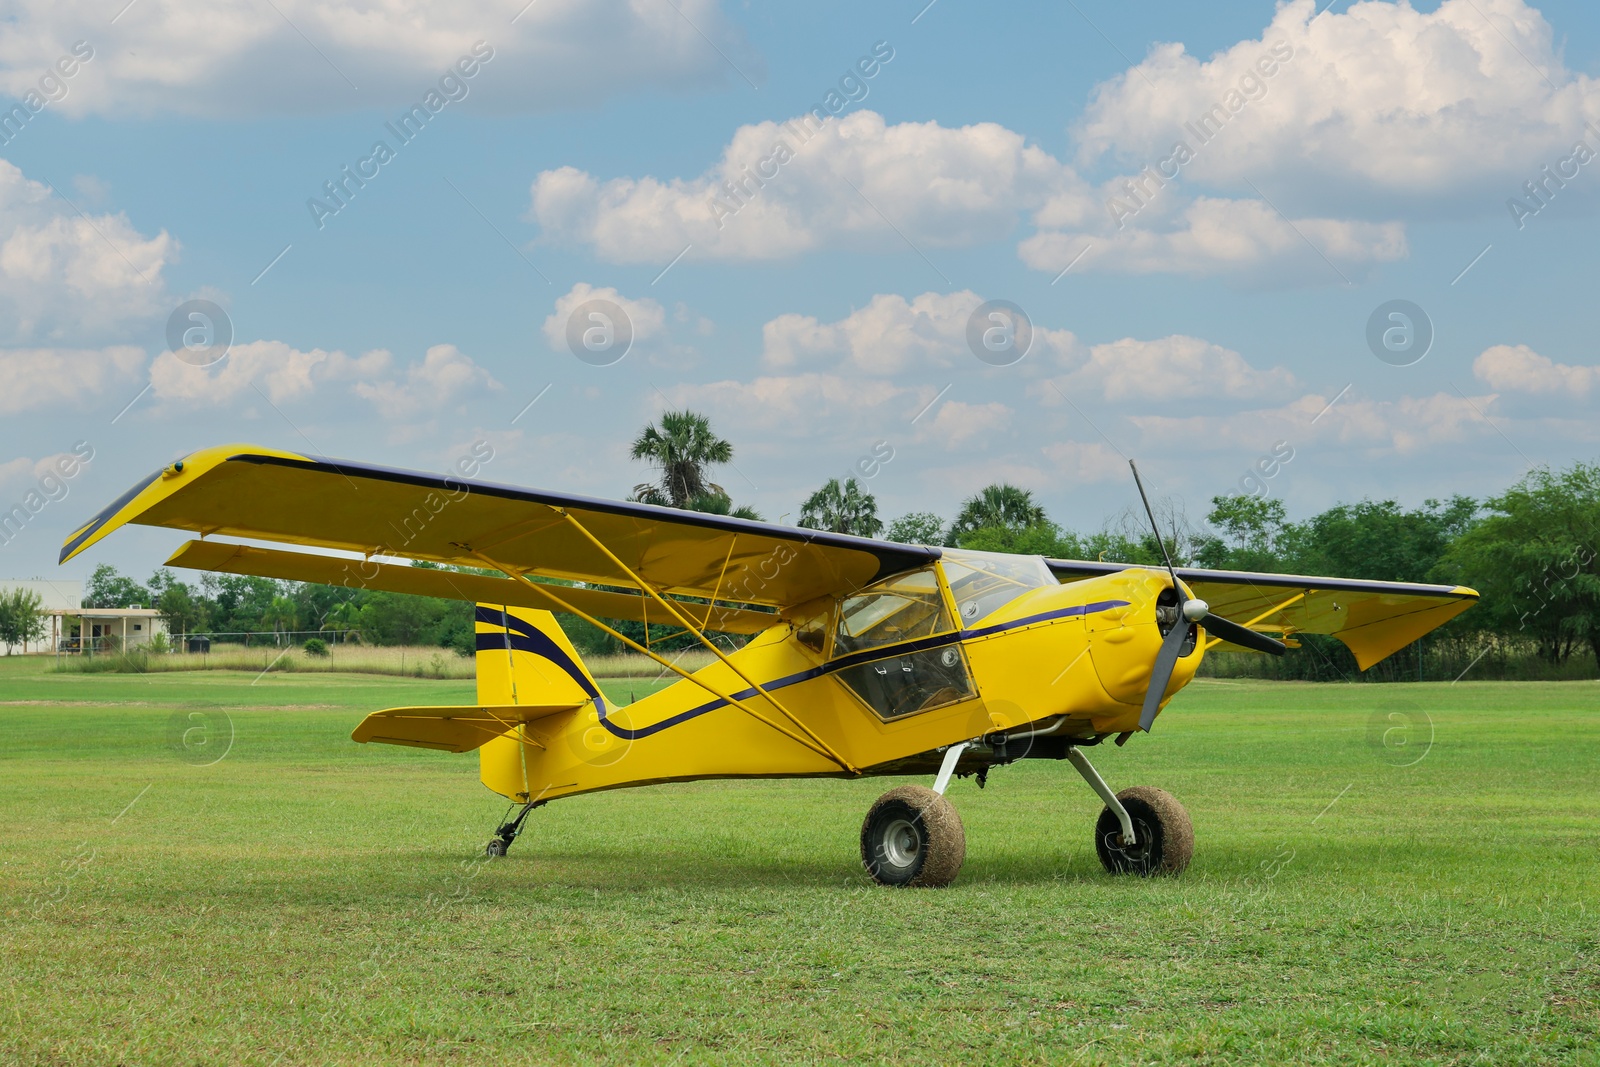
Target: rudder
x,y
525,657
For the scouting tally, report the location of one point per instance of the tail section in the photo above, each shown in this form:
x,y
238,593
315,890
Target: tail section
x,y
528,672
524,658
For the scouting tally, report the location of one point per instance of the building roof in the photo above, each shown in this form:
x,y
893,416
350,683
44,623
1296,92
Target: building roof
x,y
106,613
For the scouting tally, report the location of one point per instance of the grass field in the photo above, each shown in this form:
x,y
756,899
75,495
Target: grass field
x,y
407,661
1383,874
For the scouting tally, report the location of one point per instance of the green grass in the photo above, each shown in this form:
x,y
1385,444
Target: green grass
x,y
310,900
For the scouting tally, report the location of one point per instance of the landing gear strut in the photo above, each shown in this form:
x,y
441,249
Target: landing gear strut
x,y
508,831
1142,830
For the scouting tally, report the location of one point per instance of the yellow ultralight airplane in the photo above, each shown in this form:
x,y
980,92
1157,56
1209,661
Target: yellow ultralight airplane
x,y
864,657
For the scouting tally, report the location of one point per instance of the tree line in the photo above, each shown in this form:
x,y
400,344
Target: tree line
x,y
1529,550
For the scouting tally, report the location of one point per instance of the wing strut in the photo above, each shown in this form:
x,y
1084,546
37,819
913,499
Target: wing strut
x,y
683,620
733,701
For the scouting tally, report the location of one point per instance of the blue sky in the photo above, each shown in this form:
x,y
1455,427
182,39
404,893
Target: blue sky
x,y
1217,323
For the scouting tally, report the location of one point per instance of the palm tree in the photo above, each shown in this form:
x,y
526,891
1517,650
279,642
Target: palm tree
x,y
842,509
681,448
346,616
281,615
722,504
1003,505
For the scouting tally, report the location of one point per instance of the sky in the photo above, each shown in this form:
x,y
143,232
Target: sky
x,y
1322,253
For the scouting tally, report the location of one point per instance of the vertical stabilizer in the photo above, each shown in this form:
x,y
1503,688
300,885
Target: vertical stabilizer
x,y
523,657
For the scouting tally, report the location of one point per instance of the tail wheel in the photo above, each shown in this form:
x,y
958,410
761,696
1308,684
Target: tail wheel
x,y
1165,836
912,836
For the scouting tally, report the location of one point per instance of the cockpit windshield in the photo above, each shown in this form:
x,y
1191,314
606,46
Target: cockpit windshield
x,y
986,581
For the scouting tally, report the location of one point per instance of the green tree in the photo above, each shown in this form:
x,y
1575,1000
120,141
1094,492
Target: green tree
x,y
1041,539
345,615
1533,559
1377,540
681,448
21,618
240,603
917,528
281,615
1001,505
108,589
846,508
176,601
1250,528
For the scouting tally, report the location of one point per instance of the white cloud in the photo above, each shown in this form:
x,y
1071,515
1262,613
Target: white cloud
x,y
1207,236
1520,369
279,371
69,277
860,182
443,376
306,56
957,423
646,318
805,405
1083,463
283,373
940,186
892,334
15,470
37,378
1376,428
1173,368
1378,101
1351,121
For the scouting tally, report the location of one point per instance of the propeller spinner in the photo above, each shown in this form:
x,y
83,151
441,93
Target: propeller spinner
x,y
1190,610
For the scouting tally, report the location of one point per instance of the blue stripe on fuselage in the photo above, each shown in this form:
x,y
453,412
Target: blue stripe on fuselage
x,y
526,638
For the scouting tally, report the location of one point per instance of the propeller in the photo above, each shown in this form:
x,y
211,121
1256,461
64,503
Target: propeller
x,y
1189,610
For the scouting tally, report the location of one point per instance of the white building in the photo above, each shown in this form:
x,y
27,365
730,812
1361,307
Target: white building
x,y
104,629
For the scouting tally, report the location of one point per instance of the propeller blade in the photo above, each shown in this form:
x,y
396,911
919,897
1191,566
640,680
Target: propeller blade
x,y
1161,673
1233,633
1156,529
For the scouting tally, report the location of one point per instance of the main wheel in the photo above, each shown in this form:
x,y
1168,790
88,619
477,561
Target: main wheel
x,y
912,836
1165,836
496,847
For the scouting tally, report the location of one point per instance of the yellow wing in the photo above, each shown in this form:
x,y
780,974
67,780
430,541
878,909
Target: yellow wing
x,y
264,494
225,558
1373,619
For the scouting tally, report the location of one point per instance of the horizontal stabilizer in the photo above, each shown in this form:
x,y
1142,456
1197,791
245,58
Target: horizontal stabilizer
x,y
452,729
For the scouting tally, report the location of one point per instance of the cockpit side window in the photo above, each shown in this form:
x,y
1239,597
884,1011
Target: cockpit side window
x,y
901,609
983,582
812,629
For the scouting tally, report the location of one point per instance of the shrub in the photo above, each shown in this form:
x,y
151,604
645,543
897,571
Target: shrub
x,y
316,646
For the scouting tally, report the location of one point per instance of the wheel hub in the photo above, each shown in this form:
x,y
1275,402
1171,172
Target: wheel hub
x,y
902,843
1139,853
